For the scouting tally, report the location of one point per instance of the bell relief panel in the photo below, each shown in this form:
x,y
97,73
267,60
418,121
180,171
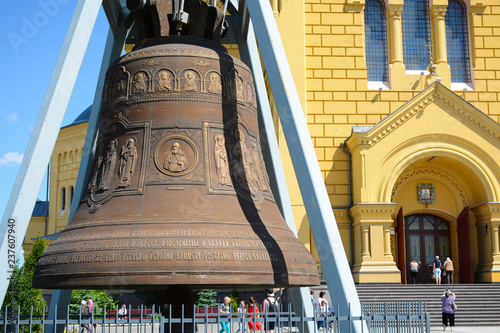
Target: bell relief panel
x,y
119,87
213,82
164,81
190,81
175,156
140,83
234,162
156,82
118,163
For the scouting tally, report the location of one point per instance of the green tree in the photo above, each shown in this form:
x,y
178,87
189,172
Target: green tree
x,y
99,297
20,293
206,297
235,299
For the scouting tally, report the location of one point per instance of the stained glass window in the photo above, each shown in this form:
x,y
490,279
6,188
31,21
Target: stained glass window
x,y
415,247
457,41
444,247
430,251
428,222
443,225
414,223
376,41
415,24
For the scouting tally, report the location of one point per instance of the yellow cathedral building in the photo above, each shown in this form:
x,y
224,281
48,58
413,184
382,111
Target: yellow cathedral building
x,y
402,101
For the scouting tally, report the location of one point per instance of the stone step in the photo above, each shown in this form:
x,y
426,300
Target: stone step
x,y
478,304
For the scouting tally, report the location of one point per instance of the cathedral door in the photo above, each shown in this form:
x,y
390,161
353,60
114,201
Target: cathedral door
x,y
426,236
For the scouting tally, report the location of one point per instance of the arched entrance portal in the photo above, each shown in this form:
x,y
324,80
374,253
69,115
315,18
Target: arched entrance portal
x,y
426,236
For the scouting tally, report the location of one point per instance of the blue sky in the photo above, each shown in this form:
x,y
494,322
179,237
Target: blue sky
x,y
31,35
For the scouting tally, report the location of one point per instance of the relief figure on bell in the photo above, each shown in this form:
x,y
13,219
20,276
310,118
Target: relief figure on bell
x,y
164,81
176,160
190,83
215,86
235,86
108,166
259,168
140,86
243,164
239,88
93,181
249,93
221,161
128,158
119,89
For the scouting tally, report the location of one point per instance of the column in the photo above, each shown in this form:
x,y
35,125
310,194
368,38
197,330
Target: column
x,y
394,37
275,5
439,32
487,219
373,261
495,249
366,241
387,241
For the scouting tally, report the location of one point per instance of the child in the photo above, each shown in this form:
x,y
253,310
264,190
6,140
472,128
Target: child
x,y
242,325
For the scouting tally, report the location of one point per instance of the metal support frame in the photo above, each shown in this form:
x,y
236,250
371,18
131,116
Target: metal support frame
x,y
32,171
315,196
249,53
114,45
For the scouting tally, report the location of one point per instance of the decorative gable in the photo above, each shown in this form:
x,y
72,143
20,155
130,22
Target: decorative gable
x,y
435,123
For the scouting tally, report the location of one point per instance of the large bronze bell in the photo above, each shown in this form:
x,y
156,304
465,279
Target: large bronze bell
x,y
179,192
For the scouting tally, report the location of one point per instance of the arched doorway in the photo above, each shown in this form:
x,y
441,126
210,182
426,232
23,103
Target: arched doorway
x,y
426,236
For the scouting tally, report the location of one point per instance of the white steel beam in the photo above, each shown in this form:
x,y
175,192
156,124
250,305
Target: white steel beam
x,y
32,171
249,53
320,214
113,50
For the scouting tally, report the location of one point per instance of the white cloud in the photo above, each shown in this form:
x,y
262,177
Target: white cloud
x,y
10,159
13,117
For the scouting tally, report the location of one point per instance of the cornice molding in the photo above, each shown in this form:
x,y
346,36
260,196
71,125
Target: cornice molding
x,y
374,209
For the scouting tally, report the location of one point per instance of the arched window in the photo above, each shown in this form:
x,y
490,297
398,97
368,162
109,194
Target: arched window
x,y
71,193
415,25
63,200
457,41
376,41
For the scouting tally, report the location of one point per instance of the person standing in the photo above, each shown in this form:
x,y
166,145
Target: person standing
x,y
313,298
436,268
414,266
242,327
448,311
84,311
270,306
448,267
226,309
253,309
322,307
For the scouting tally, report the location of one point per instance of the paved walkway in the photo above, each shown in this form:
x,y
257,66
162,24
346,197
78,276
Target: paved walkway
x,y
477,329
213,328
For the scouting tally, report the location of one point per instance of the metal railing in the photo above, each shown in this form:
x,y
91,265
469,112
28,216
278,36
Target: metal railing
x,y
398,317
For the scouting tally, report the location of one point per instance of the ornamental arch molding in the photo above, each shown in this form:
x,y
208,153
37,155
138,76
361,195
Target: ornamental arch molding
x,y
391,172
437,173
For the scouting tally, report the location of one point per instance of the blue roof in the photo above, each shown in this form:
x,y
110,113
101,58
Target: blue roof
x,y
40,208
82,118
